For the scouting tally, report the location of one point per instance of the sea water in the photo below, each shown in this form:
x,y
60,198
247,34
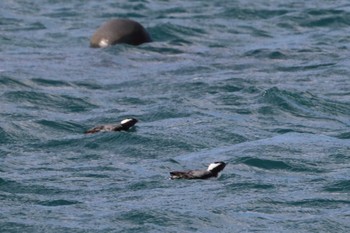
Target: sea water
x,y
261,85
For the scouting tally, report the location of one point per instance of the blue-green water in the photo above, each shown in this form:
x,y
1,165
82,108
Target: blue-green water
x,y
261,85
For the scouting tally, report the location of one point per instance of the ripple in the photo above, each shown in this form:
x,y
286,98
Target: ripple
x,y
330,203
326,18
250,14
175,33
60,126
50,83
305,67
266,53
9,82
249,186
340,186
9,186
304,104
265,163
48,101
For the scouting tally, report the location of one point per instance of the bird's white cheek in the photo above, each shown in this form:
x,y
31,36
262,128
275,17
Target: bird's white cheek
x,y
125,121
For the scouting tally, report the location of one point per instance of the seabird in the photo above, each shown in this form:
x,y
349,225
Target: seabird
x,y
213,171
123,125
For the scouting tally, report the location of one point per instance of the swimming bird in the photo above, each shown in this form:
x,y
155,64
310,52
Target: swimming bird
x,y
213,171
123,125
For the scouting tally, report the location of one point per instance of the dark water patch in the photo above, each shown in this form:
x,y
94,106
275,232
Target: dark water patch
x,y
144,185
304,104
318,224
59,202
256,32
251,14
19,132
124,144
94,175
9,186
317,12
319,203
50,83
89,85
12,227
9,82
305,67
40,100
220,88
340,155
63,143
133,101
169,11
5,40
226,136
157,145
59,126
338,187
230,88
161,112
15,227
196,87
345,135
325,18
268,164
130,9
328,22
144,218
3,154
35,26
85,157
173,161
232,96
175,34
194,70
298,151
22,8
266,53
16,198
82,169
9,22
166,50
313,203
250,186
63,13
4,137
283,131
265,163
129,14
25,26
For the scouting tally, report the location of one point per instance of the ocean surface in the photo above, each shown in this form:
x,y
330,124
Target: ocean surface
x,y
261,85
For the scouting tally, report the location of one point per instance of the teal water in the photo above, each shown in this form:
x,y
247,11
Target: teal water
x,y
261,85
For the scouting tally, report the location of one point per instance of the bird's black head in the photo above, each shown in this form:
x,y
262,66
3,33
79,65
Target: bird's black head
x,y
216,167
127,123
